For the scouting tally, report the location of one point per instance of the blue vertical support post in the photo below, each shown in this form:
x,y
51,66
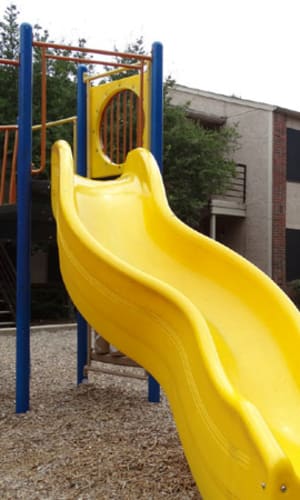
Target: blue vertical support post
x,y
156,145
81,154
23,298
156,138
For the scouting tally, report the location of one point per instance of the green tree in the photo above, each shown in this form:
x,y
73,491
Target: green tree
x,y
61,81
61,90
9,49
197,161
136,47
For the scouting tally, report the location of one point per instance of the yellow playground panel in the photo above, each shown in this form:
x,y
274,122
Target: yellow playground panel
x,y
118,121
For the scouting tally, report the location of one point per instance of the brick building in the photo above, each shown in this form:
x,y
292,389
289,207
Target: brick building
x,y
260,215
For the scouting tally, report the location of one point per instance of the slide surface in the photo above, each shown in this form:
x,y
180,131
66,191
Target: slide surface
x,y
217,334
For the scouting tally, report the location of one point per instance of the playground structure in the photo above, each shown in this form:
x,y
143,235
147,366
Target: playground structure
x,y
218,334
131,98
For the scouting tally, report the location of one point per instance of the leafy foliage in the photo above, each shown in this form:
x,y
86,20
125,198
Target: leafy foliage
x,y
136,47
9,49
197,161
61,91
61,81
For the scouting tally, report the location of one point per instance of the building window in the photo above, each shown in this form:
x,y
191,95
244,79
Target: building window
x,y
292,254
293,155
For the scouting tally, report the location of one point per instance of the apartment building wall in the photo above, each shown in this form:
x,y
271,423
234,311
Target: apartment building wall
x,y
292,233
253,235
293,189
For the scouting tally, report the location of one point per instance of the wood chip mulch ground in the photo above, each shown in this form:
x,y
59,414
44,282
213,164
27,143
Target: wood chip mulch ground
x,y
100,441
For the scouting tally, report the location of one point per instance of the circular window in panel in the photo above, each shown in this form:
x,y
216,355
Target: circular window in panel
x,y
121,126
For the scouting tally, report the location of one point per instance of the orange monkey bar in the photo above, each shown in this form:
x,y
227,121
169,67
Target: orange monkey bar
x,y
9,62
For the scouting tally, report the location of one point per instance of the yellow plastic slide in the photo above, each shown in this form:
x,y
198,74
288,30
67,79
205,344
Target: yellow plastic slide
x,y
217,334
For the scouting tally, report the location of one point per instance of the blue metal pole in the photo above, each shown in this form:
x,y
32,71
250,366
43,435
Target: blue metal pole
x,y
81,122
23,298
156,138
82,326
156,145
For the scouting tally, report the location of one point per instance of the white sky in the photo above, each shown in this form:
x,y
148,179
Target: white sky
x,y
250,49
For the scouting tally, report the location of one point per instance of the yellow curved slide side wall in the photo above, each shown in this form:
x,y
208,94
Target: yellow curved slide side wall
x,y
218,335
99,165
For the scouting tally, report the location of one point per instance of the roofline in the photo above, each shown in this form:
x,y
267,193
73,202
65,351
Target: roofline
x,y
232,99
288,112
239,100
